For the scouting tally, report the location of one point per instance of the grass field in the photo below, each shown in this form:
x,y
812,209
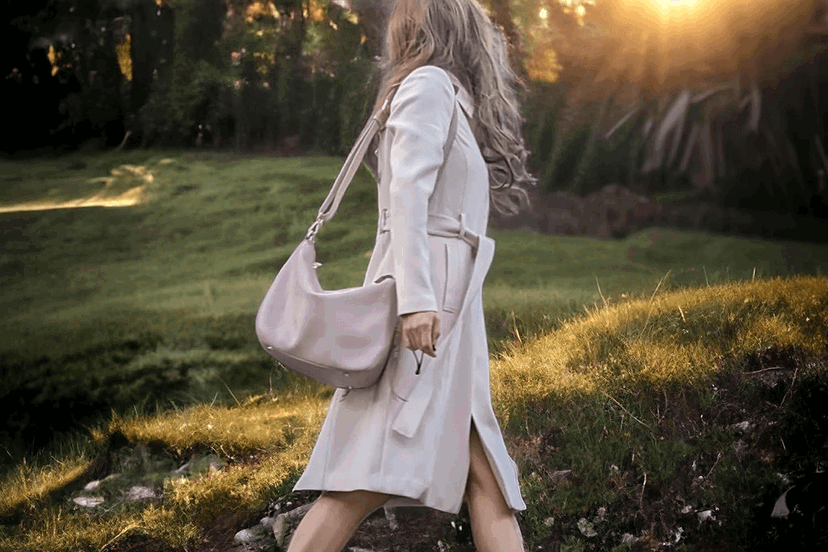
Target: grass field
x,y
604,353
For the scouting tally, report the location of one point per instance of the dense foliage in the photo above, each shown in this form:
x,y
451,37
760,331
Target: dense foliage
x,y
606,97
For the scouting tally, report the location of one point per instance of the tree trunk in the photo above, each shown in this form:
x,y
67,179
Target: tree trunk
x,y
143,51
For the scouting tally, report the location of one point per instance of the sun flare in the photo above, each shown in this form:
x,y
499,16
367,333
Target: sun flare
x,y
677,3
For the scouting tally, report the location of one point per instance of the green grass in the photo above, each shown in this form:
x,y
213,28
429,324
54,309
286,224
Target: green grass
x,y
604,353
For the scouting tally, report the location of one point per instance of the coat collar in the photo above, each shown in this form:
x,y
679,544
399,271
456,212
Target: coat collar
x,y
463,95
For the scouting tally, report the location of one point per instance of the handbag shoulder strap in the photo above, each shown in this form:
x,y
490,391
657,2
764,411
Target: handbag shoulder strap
x,y
352,162
451,134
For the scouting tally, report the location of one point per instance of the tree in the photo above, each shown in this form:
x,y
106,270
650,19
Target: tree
x,y
679,104
65,72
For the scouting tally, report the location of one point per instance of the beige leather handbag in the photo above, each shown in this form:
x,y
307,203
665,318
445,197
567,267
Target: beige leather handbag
x,y
338,337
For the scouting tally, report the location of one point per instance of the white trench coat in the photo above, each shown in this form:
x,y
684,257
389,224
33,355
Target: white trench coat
x,y
408,435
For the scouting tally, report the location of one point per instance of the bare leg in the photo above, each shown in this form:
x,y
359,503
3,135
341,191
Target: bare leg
x,y
333,519
494,526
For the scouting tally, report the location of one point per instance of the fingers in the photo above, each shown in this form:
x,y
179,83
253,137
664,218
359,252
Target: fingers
x,y
420,330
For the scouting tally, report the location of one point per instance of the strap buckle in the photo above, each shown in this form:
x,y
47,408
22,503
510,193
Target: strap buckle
x,y
464,233
384,220
314,228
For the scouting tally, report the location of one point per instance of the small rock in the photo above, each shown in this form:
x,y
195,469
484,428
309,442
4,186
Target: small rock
x,y
549,521
743,427
687,509
784,479
705,515
208,464
586,528
257,532
279,524
92,485
628,538
267,522
602,512
139,492
88,501
780,509
560,475
391,517
278,528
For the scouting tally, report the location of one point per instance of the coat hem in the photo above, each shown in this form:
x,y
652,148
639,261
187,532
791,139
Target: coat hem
x,y
409,488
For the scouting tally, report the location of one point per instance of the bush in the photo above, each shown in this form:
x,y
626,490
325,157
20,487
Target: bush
x,y
194,93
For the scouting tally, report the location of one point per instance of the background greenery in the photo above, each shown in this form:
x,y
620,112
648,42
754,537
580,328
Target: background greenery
x,y
658,96
623,371
136,324
154,304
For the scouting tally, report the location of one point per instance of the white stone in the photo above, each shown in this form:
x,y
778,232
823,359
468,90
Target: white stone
x,y
278,528
586,528
92,485
280,523
250,535
391,517
705,515
267,522
88,501
742,426
139,492
628,538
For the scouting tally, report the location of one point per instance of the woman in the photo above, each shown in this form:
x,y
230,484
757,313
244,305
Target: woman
x,y
426,434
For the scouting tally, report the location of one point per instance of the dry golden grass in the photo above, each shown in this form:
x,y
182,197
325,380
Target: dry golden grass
x,y
677,337
680,337
287,432
30,484
258,424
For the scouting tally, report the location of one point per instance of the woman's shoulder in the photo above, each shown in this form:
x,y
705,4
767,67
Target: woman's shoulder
x,y
425,91
427,76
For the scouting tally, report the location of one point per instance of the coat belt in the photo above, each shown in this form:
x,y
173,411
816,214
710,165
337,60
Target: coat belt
x,y
442,225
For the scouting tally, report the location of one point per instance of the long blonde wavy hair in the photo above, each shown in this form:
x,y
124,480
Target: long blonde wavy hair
x,y
458,36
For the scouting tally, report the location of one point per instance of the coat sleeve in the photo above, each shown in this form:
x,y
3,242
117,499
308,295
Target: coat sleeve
x,y
418,123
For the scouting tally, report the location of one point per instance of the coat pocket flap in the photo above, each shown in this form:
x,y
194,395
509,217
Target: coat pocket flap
x,y
411,414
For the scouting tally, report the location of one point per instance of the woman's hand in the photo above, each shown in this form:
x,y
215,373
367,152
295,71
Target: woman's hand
x,y
420,330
